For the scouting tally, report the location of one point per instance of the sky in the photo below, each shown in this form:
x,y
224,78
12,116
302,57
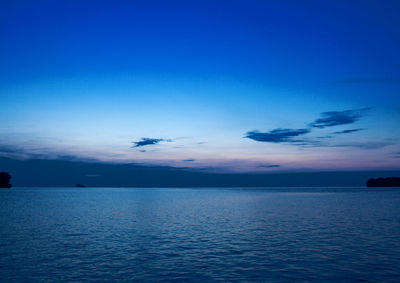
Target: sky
x,y
230,86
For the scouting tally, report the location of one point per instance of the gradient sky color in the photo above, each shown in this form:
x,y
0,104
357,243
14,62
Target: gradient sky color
x,y
264,86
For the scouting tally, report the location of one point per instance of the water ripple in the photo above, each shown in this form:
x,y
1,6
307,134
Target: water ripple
x,y
199,235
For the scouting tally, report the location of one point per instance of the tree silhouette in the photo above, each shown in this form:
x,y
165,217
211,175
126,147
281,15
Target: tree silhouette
x,y
384,182
4,180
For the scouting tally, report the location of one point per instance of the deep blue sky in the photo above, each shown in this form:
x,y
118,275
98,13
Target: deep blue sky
x,y
236,85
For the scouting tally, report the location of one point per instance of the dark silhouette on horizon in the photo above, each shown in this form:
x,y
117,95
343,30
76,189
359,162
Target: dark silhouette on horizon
x,y
80,186
59,173
5,180
384,182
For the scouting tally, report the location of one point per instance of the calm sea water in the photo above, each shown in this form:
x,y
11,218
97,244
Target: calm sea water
x,y
272,235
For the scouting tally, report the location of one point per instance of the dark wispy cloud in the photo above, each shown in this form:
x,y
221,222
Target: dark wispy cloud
x,y
189,160
336,118
396,154
348,131
327,119
147,141
362,145
277,135
269,166
309,143
7,149
33,151
368,145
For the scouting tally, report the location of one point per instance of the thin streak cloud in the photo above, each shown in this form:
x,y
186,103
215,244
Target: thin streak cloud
x,y
348,131
337,118
277,135
147,141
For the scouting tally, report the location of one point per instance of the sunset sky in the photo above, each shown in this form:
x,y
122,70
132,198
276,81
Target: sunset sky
x,y
238,86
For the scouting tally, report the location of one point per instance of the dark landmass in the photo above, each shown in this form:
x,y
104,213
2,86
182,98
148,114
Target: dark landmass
x,y
5,180
384,182
59,173
80,186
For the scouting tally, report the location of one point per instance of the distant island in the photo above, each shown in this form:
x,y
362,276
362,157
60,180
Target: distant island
x,y
5,180
80,186
384,182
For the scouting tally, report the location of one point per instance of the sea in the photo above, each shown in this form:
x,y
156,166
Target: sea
x,y
200,234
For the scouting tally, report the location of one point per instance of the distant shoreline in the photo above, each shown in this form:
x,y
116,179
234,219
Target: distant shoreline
x,y
199,187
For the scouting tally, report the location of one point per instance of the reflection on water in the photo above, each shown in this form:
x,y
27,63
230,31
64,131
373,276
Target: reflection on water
x,y
282,234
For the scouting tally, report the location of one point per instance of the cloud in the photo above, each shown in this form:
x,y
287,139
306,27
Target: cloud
x,y
360,145
7,149
336,118
348,131
189,160
327,119
309,143
366,145
269,166
277,135
396,155
147,141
